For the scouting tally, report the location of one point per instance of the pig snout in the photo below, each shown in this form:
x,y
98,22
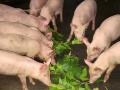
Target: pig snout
x,y
45,73
91,82
47,82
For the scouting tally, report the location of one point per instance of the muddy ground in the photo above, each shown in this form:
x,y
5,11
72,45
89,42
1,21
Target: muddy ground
x,y
105,9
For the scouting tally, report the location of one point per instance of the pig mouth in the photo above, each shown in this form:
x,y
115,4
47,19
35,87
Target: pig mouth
x,y
52,56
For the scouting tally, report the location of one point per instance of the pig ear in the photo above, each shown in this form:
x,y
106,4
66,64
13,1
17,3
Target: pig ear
x,y
43,67
88,63
73,25
44,20
85,41
48,62
96,49
98,70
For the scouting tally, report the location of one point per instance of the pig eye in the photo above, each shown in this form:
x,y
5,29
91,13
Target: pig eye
x,y
74,26
45,75
43,18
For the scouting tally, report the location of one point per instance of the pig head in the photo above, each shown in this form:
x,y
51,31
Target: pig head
x,y
92,50
78,30
36,6
95,72
45,17
47,53
44,73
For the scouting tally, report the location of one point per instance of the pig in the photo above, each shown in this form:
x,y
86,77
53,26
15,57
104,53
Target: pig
x,y
51,9
107,32
22,66
25,46
36,6
83,15
105,63
17,28
12,14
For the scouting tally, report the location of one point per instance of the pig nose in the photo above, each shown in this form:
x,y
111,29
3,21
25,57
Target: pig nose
x,y
90,82
88,58
49,83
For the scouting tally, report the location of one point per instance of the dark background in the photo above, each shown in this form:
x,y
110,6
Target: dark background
x,y
104,10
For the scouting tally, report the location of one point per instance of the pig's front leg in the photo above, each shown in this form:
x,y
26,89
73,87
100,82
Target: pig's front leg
x,y
34,12
31,81
108,72
70,36
54,24
23,82
93,24
61,15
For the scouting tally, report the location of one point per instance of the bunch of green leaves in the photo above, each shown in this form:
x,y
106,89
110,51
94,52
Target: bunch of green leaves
x,y
67,74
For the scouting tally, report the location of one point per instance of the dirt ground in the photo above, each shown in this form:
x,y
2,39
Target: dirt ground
x,y
13,83
105,9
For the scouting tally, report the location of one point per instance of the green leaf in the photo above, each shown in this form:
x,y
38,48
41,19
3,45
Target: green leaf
x,y
81,88
83,75
87,87
56,87
61,47
95,88
75,41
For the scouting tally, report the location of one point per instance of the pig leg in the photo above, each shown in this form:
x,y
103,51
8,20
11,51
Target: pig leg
x,y
93,24
108,72
61,15
54,24
23,81
70,36
34,12
31,81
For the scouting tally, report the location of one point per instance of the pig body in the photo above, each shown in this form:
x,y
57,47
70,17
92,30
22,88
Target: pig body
x,y
17,28
36,6
45,49
51,9
25,46
19,44
14,64
11,14
83,15
106,62
108,31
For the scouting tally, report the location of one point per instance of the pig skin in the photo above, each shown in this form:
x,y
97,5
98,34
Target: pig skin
x,y
105,63
83,15
17,28
11,14
14,64
107,32
36,6
51,9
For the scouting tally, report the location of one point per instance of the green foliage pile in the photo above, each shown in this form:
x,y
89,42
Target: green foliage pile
x,y
67,74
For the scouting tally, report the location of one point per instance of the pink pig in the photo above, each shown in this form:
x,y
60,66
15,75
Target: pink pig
x,y
12,14
26,46
36,6
51,9
105,63
17,28
83,15
108,31
14,64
